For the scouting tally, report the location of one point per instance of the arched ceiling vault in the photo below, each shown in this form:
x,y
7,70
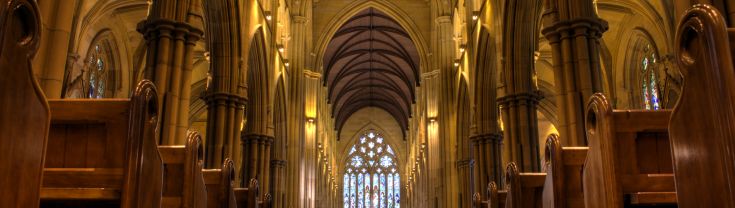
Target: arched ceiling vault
x,y
371,61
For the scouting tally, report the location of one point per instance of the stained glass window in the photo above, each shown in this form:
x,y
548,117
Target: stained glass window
x,y
648,79
371,177
95,77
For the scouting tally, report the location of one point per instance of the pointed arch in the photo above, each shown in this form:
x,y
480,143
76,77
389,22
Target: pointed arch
x,y
258,85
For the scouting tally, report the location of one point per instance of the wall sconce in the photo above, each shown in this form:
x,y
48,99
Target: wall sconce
x,y
310,120
423,145
285,62
462,48
268,15
432,119
456,63
280,48
475,15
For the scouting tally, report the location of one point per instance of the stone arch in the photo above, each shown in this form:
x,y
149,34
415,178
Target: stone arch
x,y
384,6
105,48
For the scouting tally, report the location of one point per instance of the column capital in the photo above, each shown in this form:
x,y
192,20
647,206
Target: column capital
x,y
298,19
465,163
222,98
592,26
256,138
532,97
446,19
154,28
486,138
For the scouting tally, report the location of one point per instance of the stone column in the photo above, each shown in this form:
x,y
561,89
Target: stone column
x,y
487,151
464,167
299,31
278,186
256,159
520,102
487,137
574,31
171,31
226,95
57,18
444,62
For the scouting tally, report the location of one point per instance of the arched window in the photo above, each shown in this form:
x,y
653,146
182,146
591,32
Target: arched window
x,y
95,78
371,176
648,80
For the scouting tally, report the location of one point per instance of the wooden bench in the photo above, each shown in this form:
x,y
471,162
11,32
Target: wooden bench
x,y
25,112
524,189
248,197
220,185
702,125
103,152
563,167
629,160
495,198
183,180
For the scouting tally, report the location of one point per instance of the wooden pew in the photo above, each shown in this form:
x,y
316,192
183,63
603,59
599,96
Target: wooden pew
x,y
629,160
183,181
25,112
220,186
563,167
495,198
103,152
702,125
248,197
524,189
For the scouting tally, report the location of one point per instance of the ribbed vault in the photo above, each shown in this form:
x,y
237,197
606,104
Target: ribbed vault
x,y
371,61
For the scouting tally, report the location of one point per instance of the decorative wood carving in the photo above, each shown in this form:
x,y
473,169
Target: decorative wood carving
x,y
702,125
25,112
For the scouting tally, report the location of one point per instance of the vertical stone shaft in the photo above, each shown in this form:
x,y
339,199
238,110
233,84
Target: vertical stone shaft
x,y
486,142
520,102
573,30
225,96
171,33
57,19
445,54
299,44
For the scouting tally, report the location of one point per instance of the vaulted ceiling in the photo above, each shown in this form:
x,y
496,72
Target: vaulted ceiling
x,y
371,61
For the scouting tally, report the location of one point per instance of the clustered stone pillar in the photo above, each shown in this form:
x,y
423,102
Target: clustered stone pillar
x,y
257,148
295,197
49,63
519,115
488,157
573,30
487,138
171,33
445,53
278,186
226,95
520,101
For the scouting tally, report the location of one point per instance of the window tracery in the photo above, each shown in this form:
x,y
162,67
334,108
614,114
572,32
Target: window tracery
x,y
95,77
371,176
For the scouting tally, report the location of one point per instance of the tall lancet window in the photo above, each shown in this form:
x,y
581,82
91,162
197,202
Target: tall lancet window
x,y
371,178
95,77
648,79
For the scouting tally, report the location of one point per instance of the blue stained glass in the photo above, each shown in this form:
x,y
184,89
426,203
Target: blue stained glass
x,y
360,195
367,190
375,190
373,182
346,191
353,186
397,190
390,191
649,81
382,191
